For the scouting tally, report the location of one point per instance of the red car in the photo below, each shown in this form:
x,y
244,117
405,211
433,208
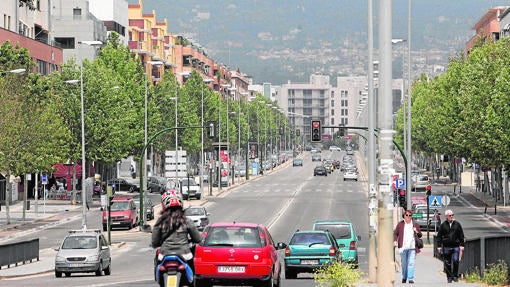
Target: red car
x,y
237,254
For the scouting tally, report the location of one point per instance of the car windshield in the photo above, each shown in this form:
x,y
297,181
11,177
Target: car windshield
x,y
185,182
309,239
80,242
194,211
339,231
119,205
234,236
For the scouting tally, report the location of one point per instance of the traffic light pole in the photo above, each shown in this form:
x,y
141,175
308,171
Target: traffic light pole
x,y
143,213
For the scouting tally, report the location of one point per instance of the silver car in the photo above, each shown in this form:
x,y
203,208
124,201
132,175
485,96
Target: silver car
x,y
83,252
199,215
420,217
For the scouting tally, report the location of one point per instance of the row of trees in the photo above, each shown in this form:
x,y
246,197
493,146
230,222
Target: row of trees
x,y
464,112
41,115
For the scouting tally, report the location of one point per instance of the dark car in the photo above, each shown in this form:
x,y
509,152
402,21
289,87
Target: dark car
x,y
120,184
156,184
320,170
148,205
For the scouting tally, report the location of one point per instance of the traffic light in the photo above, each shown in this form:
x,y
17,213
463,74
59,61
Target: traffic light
x,y
298,132
281,131
402,197
316,131
429,190
341,131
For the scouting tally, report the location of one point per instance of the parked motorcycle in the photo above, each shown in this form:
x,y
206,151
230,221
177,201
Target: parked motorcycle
x,y
172,271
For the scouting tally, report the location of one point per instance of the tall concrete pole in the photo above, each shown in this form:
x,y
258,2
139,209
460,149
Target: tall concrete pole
x,y
372,205
385,262
409,154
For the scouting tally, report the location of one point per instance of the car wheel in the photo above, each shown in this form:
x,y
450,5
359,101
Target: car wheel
x,y
68,274
99,270
130,226
198,197
201,283
108,269
58,274
105,228
269,282
289,274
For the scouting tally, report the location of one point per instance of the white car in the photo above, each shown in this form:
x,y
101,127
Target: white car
x,y
350,175
199,215
334,148
420,181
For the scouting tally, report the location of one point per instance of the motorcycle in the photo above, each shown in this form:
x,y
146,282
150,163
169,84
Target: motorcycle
x,y
172,271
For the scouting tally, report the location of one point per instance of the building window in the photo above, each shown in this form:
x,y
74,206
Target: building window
x,y
332,112
343,103
344,94
307,94
332,121
332,103
42,67
307,102
344,112
76,13
291,93
65,43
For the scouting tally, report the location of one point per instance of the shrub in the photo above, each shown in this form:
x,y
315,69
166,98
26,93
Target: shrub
x,y
496,274
474,276
337,274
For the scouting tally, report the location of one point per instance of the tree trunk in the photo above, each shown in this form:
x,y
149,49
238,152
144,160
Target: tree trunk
x,y
8,190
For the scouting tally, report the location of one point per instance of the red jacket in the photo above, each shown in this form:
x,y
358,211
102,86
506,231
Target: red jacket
x,y
398,233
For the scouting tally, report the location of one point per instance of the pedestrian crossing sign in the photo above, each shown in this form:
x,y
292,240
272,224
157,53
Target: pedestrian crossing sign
x,y
435,202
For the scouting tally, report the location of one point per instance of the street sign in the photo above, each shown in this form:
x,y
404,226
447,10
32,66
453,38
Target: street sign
x,y
44,179
435,202
401,183
446,200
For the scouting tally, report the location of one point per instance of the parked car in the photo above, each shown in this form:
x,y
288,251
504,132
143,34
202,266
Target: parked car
x,y
120,184
83,251
297,162
240,171
345,236
156,184
237,253
320,170
123,213
190,188
309,250
420,217
199,215
148,205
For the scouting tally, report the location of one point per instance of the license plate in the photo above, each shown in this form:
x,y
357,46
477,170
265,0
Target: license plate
x,y
231,269
73,265
171,281
310,262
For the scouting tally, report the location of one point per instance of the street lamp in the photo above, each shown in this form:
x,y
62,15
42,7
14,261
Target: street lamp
x,y
83,162
206,81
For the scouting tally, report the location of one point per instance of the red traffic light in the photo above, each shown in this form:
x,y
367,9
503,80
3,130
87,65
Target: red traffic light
x,y
315,124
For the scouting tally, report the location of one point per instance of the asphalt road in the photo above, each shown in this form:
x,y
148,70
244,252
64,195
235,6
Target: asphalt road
x,y
286,200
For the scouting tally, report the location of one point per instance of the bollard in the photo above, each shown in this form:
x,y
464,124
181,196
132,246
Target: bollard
x,y
28,204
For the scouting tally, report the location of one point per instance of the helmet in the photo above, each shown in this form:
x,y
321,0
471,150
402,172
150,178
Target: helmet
x,y
171,199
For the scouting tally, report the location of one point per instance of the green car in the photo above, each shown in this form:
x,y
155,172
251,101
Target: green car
x,y
309,250
345,236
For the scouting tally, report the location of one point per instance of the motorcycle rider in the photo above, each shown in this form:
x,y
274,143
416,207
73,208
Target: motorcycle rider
x,y
173,231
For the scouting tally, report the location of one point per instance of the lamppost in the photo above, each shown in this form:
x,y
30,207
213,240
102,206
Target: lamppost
x,y
205,81
83,162
270,135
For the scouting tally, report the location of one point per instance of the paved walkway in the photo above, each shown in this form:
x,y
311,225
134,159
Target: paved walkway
x,y
429,269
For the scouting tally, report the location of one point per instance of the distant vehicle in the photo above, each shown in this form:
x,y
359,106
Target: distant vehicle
x,y
123,213
316,157
199,215
345,235
297,162
83,252
320,170
121,184
148,205
350,175
309,250
420,182
235,253
240,171
334,148
190,188
350,152
156,184
420,217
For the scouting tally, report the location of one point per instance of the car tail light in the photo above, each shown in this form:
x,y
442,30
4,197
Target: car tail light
x,y
352,246
332,251
287,251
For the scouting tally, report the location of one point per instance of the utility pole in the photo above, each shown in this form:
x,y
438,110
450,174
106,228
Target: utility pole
x,y
385,262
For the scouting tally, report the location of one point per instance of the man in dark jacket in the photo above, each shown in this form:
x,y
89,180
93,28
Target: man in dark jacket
x,y
450,242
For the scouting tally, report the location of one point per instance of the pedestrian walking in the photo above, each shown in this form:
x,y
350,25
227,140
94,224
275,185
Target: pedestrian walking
x,y
404,238
450,242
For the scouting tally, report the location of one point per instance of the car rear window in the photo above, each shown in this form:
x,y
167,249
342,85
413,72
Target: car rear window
x,y
234,236
309,238
339,231
193,211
